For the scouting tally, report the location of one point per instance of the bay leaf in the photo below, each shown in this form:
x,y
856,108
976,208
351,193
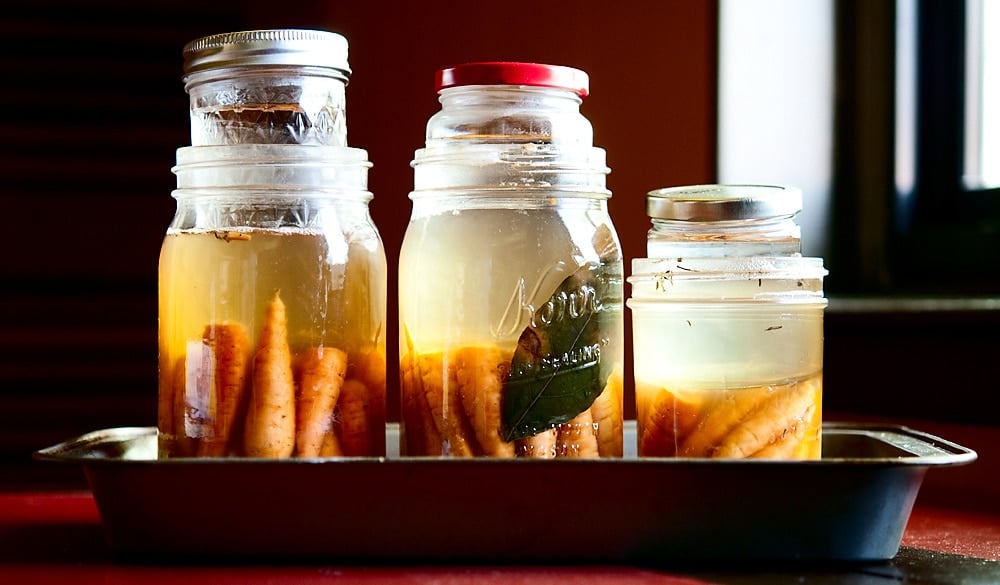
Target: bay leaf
x,y
556,371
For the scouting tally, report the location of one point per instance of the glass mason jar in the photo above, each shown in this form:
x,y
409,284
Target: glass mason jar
x,y
727,336
510,274
272,292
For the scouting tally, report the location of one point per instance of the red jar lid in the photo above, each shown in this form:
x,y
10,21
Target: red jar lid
x,y
512,73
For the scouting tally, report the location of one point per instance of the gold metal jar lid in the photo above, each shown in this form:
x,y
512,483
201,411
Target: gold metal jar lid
x,y
699,203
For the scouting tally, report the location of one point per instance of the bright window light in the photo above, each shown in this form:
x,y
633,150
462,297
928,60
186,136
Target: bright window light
x,y
982,158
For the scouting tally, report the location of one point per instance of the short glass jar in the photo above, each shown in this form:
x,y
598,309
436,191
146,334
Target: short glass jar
x,y
727,323
282,86
510,274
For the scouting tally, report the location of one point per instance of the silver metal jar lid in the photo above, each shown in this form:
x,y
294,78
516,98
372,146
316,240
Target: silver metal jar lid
x,y
294,47
723,202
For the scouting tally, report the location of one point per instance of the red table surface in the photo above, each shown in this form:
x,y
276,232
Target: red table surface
x,y
55,537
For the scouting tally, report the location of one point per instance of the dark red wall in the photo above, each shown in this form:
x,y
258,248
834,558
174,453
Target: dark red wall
x,y
94,109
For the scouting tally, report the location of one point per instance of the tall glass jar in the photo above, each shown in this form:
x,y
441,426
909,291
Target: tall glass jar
x,y
727,323
510,274
272,279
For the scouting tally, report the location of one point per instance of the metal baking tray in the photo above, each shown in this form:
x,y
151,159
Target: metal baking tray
x,y
851,505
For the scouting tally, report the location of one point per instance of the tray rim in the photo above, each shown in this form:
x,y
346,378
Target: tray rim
x,y
939,452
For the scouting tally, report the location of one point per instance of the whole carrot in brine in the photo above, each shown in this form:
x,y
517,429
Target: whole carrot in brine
x,y
440,389
480,376
578,437
321,376
331,445
667,421
368,367
419,433
607,413
229,344
270,425
352,418
539,446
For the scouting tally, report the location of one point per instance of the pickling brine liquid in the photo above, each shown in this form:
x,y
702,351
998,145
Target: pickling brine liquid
x,y
782,420
272,344
511,334
729,379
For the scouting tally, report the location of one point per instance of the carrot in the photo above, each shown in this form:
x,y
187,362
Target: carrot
x,y
607,413
440,399
369,368
352,419
720,417
320,377
539,446
666,421
270,425
480,378
785,416
229,346
420,435
799,441
410,430
577,438
331,445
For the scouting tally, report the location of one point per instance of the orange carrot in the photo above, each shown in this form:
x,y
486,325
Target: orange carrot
x,y
578,437
607,413
229,345
666,421
479,374
270,425
720,416
369,368
794,442
352,419
441,391
539,446
784,416
331,445
420,435
320,378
